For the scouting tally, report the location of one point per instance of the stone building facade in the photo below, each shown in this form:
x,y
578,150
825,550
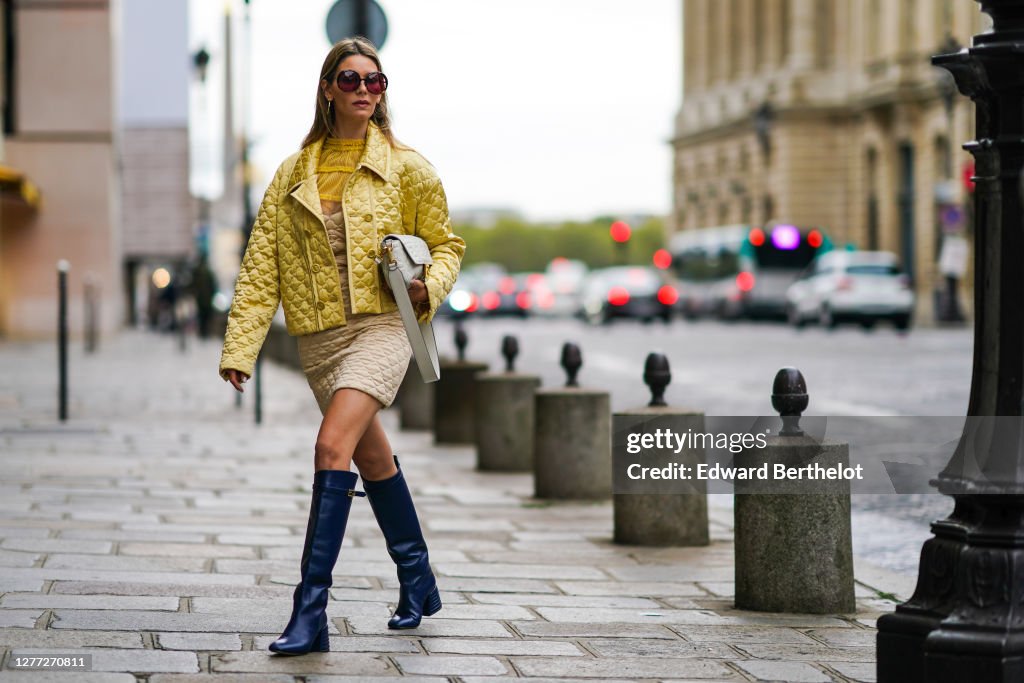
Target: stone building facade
x,y
828,114
59,130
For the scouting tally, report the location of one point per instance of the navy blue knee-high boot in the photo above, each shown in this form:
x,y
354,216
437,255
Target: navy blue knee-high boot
x,y
328,515
393,508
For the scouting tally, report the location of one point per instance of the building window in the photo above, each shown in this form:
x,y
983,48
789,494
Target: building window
x,y
824,33
760,22
874,24
784,21
7,65
871,213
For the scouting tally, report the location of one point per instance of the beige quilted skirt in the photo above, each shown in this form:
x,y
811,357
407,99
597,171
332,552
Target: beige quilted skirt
x,y
369,353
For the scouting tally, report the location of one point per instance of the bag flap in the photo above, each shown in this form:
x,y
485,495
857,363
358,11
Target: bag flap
x,y
415,247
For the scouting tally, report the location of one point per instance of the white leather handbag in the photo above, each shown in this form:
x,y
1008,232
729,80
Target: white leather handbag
x,y
402,259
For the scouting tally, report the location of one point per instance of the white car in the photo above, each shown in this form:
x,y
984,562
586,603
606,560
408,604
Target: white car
x,y
851,286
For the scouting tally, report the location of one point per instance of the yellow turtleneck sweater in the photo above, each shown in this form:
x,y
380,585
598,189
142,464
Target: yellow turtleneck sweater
x,y
338,160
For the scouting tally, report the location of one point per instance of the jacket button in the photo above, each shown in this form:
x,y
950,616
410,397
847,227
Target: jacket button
x,y
372,253
368,217
321,305
316,267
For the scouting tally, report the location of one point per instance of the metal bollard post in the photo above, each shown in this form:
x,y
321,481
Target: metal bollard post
x,y
257,377
415,400
572,443
505,417
62,339
793,549
91,313
663,519
455,397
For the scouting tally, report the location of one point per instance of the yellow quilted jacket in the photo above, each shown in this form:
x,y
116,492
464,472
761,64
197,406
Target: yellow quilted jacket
x,y
289,260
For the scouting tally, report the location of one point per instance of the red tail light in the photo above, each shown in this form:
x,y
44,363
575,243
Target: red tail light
x,y
491,300
507,285
745,281
474,303
668,295
545,299
618,296
523,300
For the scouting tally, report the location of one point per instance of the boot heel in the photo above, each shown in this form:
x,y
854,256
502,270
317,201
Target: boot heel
x,y
322,643
432,605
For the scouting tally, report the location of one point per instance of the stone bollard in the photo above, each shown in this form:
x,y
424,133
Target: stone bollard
x,y
415,400
572,447
455,396
663,519
505,416
793,550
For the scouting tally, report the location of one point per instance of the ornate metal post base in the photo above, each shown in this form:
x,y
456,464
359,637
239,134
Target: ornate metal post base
x,y
965,621
902,634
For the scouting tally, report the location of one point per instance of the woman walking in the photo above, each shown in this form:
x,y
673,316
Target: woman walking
x,y
312,250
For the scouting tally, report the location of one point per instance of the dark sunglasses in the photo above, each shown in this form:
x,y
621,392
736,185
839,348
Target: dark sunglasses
x,y
349,80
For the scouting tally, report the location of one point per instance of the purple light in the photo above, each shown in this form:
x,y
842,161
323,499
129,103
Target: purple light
x,y
785,237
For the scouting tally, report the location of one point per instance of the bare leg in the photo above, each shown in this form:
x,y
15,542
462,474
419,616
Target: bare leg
x,y
350,413
373,454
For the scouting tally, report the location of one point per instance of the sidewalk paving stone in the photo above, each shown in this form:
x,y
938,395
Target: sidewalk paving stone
x,y
65,677
34,600
222,678
630,667
348,663
31,637
198,641
442,665
546,629
860,673
501,647
784,672
389,645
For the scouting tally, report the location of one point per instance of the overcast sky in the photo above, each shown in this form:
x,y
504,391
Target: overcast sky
x,y
557,108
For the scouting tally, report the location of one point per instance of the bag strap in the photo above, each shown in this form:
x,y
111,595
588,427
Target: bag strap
x,y
421,335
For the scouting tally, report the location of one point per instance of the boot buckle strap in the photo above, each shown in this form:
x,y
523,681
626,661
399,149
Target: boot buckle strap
x,y
353,492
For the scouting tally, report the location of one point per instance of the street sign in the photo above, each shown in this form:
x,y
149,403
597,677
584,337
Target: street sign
x,y
343,21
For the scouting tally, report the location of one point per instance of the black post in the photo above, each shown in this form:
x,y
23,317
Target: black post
x,y
963,622
362,18
258,389
91,314
62,339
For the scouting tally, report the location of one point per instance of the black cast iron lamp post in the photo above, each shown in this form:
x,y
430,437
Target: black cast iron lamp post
x,y
965,621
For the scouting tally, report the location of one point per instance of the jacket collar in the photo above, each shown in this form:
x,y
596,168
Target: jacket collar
x,y
376,157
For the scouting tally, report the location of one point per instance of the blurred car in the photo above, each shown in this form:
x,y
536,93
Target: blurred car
x,y
851,286
463,299
505,295
465,296
563,282
626,292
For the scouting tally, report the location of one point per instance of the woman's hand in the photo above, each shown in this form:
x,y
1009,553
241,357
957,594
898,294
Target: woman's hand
x,y
418,292
237,379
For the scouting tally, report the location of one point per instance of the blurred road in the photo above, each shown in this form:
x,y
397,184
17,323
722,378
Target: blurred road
x,y
728,368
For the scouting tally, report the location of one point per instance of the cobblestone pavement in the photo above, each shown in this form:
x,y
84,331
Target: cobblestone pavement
x,y
159,530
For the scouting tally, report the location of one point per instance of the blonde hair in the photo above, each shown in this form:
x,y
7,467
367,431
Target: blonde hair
x,y
323,123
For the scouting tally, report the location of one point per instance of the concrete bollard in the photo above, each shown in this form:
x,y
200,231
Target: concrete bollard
x,y
415,400
505,417
455,396
663,519
793,551
572,446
